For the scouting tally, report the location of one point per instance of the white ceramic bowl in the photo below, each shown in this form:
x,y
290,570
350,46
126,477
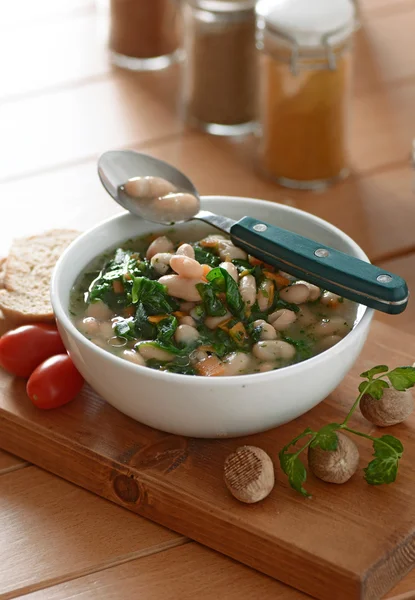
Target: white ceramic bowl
x,y
199,406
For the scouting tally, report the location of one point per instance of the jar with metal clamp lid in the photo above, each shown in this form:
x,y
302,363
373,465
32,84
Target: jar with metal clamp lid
x,y
304,97
220,66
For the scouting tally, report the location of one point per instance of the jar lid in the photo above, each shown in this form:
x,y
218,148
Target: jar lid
x,y
309,23
223,5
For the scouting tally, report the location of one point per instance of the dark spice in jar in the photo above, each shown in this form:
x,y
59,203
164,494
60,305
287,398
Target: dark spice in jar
x,y
143,28
221,61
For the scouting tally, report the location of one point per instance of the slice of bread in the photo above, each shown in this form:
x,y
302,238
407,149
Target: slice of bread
x,y
2,271
26,297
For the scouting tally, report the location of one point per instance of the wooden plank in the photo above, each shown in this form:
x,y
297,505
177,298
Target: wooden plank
x,y
187,572
52,531
178,482
70,125
377,210
8,462
405,590
380,61
405,267
62,52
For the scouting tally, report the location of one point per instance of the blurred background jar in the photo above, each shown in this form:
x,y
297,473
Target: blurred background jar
x,y
220,66
305,83
144,34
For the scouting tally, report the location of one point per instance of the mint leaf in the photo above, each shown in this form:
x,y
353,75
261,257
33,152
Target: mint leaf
x,y
375,371
374,388
326,437
306,431
384,468
295,471
402,378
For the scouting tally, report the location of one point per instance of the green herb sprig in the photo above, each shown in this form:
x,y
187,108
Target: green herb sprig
x,y
388,449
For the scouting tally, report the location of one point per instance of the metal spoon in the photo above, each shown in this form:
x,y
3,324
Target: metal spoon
x,y
303,258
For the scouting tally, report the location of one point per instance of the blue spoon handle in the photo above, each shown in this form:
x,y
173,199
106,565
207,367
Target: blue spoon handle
x,y
330,269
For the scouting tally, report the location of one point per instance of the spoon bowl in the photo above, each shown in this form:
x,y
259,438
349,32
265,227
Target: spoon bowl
x,y
118,167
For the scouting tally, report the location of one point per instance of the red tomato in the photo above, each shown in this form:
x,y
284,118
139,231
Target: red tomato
x,y
24,348
54,383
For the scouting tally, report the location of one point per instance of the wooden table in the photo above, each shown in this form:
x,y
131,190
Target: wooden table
x,y
61,105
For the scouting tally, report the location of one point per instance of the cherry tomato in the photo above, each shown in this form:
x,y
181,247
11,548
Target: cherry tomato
x,y
24,348
54,383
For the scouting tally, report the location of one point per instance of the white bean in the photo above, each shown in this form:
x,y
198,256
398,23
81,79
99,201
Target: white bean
x,y
106,330
185,334
179,287
328,342
231,269
161,262
198,355
228,251
333,326
267,330
247,289
213,322
236,363
264,297
148,351
266,366
305,316
313,289
297,293
160,244
89,326
212,240
186,250
187,321
282,319
186,267
148,187
330,299
273,349
186,306
286,275
175,206
99,310
134,357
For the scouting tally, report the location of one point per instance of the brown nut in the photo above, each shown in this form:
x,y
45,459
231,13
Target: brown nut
x,y
249,474
394,407
335,466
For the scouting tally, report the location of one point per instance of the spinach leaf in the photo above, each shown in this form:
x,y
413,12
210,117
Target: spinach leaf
x,y
212,305
304,349
166,329
153,296
218,339
172,367
125,329
221,279
143,328
205,257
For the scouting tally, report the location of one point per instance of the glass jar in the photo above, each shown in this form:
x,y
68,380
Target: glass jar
x,y
220,68
144,33
305,84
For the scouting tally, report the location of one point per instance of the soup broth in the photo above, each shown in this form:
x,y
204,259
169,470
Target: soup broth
x,y
189,301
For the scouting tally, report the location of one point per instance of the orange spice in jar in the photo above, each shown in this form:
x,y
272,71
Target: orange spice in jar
x,y
144,34
304,90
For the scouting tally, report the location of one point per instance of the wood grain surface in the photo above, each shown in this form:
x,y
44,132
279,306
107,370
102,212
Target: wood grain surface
x,y
178,483
65,532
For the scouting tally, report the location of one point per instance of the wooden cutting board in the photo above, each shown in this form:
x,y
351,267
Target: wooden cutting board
x,y
347,542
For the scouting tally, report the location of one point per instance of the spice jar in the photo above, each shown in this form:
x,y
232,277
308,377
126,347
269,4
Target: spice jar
x,y
220,69
304,97
144,33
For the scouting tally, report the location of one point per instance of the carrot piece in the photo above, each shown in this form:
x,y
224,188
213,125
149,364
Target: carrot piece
x,y
179,313
206,269
206,348
117,286
255,261
129,311
157,318
225,323
271,296
210,367
279,279
209,243
238,333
